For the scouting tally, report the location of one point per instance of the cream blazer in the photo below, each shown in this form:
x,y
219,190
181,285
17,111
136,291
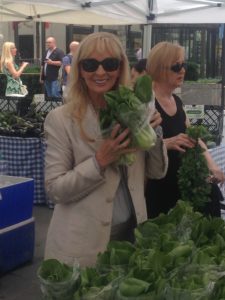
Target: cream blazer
x,y
81,222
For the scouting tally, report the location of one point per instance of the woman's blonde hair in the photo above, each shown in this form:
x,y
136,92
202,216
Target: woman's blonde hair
x,y
97,42
6,54
160,59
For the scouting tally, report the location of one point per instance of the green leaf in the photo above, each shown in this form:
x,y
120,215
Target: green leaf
x,y
143,88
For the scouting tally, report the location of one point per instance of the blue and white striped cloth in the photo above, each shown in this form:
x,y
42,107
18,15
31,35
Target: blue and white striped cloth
x,y
25,157
218,155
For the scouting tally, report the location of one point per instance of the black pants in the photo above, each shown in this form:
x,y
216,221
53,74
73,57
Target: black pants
x,y
124,231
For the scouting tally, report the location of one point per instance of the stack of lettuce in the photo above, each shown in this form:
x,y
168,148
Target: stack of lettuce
x,y
176,256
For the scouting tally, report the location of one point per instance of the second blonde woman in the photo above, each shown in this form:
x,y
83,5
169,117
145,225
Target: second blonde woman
x,y
12,70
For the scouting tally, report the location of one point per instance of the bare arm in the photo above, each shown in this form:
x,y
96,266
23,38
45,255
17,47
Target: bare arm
x,y
67,69
16,73
53,62
217,174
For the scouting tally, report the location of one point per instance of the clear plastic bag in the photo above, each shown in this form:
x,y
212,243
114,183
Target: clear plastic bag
x,y
138,121
192,282
107,292
60,290
184,294
147,296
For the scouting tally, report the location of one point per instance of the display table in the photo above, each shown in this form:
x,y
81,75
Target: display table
x,y
218,154
25,157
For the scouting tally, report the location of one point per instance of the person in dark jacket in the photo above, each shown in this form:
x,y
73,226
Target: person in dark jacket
x,y
50,68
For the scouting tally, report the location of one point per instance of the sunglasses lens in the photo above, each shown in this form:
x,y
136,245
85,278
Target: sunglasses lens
x,y
177,67
110,64
89,65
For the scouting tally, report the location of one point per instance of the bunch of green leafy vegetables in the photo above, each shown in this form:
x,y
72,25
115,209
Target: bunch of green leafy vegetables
x,y
129,108
179,255
97,285
58,280
193,172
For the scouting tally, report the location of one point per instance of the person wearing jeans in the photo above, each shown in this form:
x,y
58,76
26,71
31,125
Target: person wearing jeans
x,y
50,68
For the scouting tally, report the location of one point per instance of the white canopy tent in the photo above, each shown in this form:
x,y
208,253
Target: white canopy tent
x,y
115,12
111,12
106,12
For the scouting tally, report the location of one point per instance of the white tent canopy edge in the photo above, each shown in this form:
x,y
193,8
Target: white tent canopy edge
x,y
111,12
115,12
107,12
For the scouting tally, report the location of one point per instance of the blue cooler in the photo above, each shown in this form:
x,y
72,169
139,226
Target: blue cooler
x,y
16,199
16,245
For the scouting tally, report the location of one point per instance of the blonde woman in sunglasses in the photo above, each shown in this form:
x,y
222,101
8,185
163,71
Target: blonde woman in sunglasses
x,y
166,65
95,200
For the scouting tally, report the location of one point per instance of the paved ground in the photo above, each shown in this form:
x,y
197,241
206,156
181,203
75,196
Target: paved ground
x,y
22,283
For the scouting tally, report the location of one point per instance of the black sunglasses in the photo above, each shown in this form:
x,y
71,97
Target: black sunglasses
x,y
109,64
177,67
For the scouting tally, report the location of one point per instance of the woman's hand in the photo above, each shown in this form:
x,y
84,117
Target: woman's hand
x,y
179,142
217,175
114,146
156,119
24,64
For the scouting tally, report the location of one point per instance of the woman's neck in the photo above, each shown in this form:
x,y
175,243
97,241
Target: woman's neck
x,y
97,102
163,93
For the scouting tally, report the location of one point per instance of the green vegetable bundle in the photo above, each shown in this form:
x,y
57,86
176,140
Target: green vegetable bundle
x,y
193,173
58,280
130,108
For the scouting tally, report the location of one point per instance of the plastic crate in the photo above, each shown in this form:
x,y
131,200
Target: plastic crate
x,y
16,199
48,104
21,106
16,245
213,120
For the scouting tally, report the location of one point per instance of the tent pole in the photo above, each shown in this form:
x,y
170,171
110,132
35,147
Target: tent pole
x,y
223,68
37,25
147,40
43,37
222,85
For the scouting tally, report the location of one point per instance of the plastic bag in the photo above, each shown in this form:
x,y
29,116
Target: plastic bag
x,y
138,121
192,282
23,89
55,288
107,292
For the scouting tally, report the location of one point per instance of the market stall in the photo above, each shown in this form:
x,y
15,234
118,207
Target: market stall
x,y
25,158
22,142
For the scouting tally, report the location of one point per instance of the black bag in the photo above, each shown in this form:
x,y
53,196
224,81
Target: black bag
x,y
213,208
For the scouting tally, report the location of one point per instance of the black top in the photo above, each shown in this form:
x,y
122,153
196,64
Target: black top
x,y
162,194
52,70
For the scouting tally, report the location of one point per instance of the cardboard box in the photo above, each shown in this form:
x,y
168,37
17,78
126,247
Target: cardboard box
x,y
16,199
16,245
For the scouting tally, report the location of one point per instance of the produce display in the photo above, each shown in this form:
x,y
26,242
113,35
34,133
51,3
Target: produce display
x,y
29,125
178,256
130,108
